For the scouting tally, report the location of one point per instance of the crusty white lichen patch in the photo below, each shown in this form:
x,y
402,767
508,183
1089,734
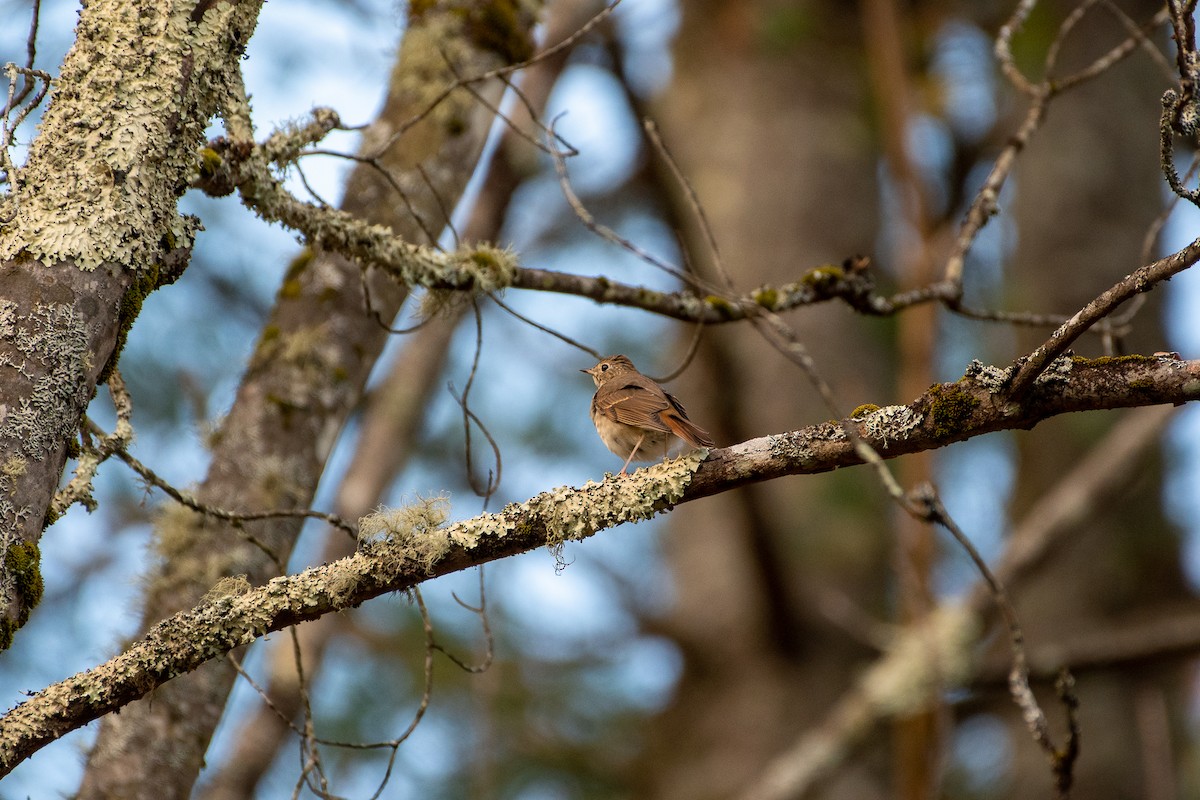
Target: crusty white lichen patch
x,y
578,513
890,423
48,346
988,376
791,447
1058,371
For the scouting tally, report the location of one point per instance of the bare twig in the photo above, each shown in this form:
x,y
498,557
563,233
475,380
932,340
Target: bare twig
x,y
480,611
488,488
501,72
1137,38
186,499
607,233
1141,280
925,502
562,337
697,208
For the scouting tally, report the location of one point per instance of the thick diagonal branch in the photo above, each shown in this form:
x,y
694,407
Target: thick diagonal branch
x,y
401,559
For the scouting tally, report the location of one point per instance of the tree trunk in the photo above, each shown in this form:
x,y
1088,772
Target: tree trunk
x,y
91,227
767,123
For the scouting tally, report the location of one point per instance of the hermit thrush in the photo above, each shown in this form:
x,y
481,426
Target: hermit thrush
x,y
635,417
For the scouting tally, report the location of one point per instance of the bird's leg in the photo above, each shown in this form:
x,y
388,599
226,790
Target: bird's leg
x,y
632,453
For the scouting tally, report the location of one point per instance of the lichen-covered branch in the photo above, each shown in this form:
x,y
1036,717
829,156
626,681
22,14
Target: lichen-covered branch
x,y
404,548
953,412
400,550
852,283
480,268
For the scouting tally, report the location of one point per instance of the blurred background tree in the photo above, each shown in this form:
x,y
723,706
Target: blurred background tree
x,y
681,659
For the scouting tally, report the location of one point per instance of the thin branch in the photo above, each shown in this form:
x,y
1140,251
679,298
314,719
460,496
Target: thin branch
x,y
485,624
562,337
697,208
1138,36
986,202
926,502
484,268
186,499
1141,280
468,416
607,233
500,72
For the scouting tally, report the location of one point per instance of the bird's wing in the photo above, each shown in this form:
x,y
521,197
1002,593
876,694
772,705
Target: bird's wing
x,y
633,404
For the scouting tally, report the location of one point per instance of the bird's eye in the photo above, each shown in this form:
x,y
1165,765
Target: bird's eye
x,y
604,367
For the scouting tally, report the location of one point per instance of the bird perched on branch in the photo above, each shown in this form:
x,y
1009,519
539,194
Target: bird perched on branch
x,y
635,417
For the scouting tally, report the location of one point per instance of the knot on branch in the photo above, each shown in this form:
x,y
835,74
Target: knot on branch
x,y
1183,112
852,282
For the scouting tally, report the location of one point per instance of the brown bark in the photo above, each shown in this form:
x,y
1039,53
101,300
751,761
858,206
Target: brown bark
x,y
89,229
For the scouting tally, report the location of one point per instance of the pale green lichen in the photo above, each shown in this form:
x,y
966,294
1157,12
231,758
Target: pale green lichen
x,y
229,586
575,514
417,533
413,532
176,529
481,268
491,268
14,466
79,488
286,143
102,179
